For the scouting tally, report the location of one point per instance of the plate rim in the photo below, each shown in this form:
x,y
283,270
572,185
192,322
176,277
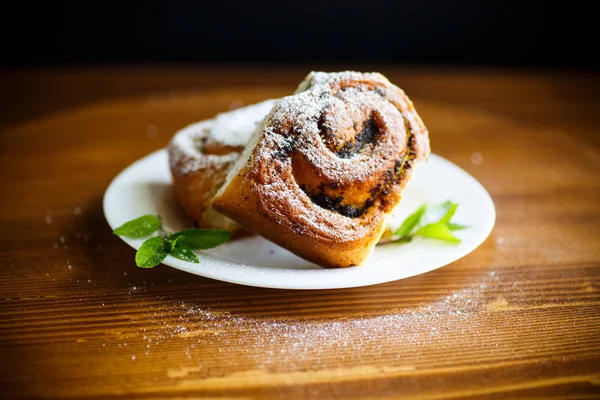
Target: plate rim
x,y
325,272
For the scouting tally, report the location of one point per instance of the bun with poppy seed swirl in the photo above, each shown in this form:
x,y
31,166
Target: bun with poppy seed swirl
x,y
326,167
200,156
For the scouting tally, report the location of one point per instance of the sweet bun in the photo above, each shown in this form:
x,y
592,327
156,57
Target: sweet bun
x,y
200,156
326,167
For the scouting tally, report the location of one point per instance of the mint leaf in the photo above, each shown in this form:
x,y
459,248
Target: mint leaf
x,y
139,227
434,212
431,221
449,214
410,222
437,230
447,205
455,227
403,239
183,252
174,241
197,239
152,252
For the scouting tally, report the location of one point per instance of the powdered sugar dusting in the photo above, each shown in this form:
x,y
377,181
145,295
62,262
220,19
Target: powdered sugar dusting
x,y
324,80
232,128
185,162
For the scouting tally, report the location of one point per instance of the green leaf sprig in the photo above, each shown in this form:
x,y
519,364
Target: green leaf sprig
x,y
426,222
179,244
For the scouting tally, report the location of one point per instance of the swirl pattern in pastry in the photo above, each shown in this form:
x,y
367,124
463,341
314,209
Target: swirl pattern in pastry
x,y
324,170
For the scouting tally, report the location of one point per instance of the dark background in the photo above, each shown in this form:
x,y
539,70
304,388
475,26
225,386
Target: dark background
x,y
506,33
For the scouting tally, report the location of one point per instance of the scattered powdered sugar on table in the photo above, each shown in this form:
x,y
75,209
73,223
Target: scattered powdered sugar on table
x,y
278,343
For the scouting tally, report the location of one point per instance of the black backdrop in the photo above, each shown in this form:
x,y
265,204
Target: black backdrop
x,y
514,33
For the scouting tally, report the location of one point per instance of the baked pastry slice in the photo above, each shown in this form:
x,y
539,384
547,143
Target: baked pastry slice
x,y
200,156
326,167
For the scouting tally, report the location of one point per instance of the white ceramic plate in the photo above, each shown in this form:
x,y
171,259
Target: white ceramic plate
x,y
145,188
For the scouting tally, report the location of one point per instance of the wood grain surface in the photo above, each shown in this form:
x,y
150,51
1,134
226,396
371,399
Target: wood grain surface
x,y
519,317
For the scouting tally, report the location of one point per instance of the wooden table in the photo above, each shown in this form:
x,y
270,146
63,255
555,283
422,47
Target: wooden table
x,y
520,316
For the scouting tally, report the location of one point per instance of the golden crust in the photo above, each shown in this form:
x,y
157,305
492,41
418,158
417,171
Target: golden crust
x,y
195,189
329,165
